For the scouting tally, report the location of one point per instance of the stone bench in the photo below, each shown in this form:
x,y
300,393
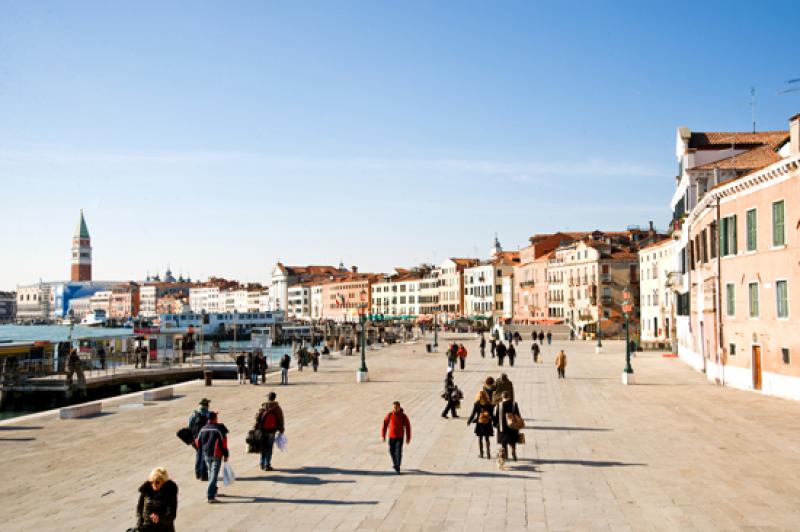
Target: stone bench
x,y
84,410
158,394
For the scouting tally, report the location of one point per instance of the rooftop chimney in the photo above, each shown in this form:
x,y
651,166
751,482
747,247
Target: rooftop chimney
x,y
794,135
354,269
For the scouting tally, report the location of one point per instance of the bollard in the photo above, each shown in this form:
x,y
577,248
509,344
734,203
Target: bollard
x,y
207,376
428,348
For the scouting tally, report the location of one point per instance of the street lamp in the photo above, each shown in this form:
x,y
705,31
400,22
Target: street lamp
x,y
361,376
435,331
599,328
627,308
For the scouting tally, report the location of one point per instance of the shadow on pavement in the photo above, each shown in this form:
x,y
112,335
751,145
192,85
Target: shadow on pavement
x,y
588,429
587,463
313,470
17,439
306,480
22,427
241,499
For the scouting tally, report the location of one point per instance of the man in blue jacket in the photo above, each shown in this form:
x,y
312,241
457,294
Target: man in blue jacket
x,y
213,441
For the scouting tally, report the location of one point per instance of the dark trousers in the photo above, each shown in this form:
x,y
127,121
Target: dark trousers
x,y
396,451
450,407
267,443
511,361
483,352
462,361
200,468
560,373
500,360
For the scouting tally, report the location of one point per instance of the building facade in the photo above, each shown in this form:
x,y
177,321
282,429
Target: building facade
x,y
8,307
656,272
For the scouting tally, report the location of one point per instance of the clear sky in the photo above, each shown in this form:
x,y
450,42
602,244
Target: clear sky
x,y
218,137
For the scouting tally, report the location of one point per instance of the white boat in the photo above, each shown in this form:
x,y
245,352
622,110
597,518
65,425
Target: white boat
x,y
212,322
96,318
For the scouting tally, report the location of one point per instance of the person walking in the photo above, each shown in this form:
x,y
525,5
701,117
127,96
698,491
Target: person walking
x,y
285,361
397,424
506,436
315,360
262,365
493,346
269,420
213,440
489,387
561,364
452,356
503,384
462,356
541,337
535,352
145,355
75,365
511,353
197,421
101,354
483,346
482,416
533,336
241,367
549,337
158,503
501,353
255,367
137,354
452,395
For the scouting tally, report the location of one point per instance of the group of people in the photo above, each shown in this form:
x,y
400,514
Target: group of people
x,y
140,356
251,366
456,352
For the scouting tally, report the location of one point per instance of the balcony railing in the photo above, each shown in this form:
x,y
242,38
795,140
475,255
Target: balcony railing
x,y
527,284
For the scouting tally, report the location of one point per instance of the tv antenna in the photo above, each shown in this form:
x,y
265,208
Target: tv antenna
x,y
753,106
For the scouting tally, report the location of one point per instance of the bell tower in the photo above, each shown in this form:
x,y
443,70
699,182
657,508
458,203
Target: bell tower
x,y
81,252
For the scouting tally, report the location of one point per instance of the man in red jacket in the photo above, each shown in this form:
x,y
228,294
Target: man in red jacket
x,y
398,425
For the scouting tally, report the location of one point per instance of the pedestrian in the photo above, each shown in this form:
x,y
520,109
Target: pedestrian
x,y
462,356
517,337
541,337
255,367
315,360
299,357
482,415
285,361
262,364
158,503
101,354
561,364
325,350
483,346
197,421
269,420
75,365
571,335
503,384
535,351
137,355
511,353
452,356
397,424
533,336
493,346
145,355
501,353
506,436
450,395
241,368
213,441
489,387
549,337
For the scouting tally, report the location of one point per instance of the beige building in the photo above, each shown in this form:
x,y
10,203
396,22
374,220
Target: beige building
x,y
451,287
656,299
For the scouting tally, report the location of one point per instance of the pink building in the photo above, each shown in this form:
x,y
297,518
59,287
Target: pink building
x,y
343,299
743,256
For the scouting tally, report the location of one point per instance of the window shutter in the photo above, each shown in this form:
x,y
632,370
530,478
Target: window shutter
x,y
733,234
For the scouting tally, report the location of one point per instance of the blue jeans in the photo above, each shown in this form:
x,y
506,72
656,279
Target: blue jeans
x,y
267,444
214,465
254,378
200,469
396,451
284,376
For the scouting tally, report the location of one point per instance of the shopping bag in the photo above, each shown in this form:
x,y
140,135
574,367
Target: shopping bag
x,y
281,441
228,477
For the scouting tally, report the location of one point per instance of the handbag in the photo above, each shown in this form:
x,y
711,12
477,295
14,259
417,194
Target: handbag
x,y
253,440
514,421
185,435
521,438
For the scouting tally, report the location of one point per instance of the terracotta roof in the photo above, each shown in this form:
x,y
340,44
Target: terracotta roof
x,y
716,139
622,254
506,257
465,262
749,161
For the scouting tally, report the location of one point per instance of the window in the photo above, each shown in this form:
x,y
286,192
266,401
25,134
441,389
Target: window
x,y
704,246
778,230
785,355
712,237
752,230
730,299
732,349
727,236
782,299
753,299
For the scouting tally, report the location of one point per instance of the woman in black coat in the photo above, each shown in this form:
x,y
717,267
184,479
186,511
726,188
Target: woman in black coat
x,y
483,417
158,503
511,353
506,436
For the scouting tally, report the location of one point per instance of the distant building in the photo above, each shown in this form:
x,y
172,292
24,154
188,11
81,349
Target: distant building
x,y
483,284
451,287
282,277
8,307
81,269
345,298
400,294
656,300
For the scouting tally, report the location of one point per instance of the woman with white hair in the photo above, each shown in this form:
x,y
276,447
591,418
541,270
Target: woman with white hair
x,y
158,503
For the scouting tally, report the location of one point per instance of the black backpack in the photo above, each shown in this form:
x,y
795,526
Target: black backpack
x,y
197,422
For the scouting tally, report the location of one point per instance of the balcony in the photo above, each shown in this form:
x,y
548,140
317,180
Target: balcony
x,y
605,278
527,284
571,302
606,300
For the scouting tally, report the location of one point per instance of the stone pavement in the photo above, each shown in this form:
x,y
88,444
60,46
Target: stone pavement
x,y
671,453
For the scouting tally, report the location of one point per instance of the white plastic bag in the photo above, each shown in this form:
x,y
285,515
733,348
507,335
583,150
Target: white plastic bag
x,y
281,441
228,477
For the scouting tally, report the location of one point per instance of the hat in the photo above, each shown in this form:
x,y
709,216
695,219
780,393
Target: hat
x,y
204,402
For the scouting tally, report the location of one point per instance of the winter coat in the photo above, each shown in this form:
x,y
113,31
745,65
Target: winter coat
x,y
285,361
273,408
462,352
501,386
213,440
505,434
482,429
397,425
163,503
511,352
501,350
561,361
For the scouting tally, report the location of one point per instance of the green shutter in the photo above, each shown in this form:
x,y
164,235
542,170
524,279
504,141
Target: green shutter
x,y
781,295
730,295
732,225
752,238
723,237
753,300
778,233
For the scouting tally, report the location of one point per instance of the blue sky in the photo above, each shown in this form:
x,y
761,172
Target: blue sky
x,y
218,137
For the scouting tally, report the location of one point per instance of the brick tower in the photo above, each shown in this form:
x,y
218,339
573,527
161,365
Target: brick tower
x,y
81,253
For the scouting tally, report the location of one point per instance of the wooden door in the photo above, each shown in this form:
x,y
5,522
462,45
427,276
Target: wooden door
x,y
756,367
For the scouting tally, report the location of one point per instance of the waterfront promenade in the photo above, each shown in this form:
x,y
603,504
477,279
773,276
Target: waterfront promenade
x,y
672,453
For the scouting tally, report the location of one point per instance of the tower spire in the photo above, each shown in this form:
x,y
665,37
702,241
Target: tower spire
x,y
81,268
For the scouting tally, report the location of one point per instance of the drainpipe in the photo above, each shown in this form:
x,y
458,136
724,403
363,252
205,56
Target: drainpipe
x,y
720,351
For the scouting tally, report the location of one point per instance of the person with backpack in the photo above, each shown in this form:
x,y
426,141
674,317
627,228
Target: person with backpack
x,y
269,420
285,361
241,367
535,351
483,417
501,353
197,421
451,394
462,356
213,441
397,424
507,435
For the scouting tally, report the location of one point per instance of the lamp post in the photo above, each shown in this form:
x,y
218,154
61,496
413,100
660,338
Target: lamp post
x,y
599,346
362,375
435,331
627,307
